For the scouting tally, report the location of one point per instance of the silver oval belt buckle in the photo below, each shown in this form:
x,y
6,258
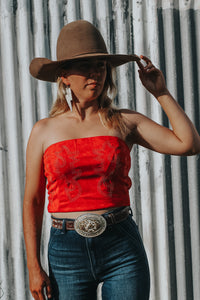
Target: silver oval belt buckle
x,y
90,225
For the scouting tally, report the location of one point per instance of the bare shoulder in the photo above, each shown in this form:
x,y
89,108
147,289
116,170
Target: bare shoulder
x,y
40,127
41,124
38,133
131,118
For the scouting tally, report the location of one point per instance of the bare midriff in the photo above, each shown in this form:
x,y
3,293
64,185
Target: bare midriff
x,y
76,214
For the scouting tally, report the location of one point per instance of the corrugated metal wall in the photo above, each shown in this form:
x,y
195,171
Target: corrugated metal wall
x,y
165,194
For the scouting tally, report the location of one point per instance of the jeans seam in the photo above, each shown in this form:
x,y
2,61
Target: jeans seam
x,y
52,237
90,259
132,238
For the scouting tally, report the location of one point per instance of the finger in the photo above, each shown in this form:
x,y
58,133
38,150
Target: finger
x,y
48,290
35,295
145,72
38,295
47,287
145,58
41,296
150,68
149,64
140,65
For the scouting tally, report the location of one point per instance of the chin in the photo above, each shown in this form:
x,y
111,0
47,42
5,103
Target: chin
x,y
93,97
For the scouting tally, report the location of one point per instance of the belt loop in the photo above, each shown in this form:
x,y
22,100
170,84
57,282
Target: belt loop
x,y
131,212
64,226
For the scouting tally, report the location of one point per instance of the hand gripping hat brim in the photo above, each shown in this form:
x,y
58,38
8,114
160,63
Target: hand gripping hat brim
x,y
77,40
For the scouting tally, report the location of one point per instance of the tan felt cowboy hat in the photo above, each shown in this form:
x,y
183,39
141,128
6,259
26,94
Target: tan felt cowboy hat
x,y
77,40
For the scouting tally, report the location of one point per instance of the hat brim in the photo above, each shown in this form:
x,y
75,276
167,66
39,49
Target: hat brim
x,y
47,70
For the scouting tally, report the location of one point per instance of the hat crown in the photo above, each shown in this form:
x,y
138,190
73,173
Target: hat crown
x,y
79,38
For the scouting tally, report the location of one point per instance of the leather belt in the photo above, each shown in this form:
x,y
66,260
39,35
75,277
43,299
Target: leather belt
x,y
91,225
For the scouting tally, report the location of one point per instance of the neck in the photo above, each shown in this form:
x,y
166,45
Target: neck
x,y
86,109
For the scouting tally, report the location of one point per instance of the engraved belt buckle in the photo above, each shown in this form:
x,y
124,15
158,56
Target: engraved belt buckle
x,y
90,225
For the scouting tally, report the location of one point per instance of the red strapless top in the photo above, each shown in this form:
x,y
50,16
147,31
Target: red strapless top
x,y
87,174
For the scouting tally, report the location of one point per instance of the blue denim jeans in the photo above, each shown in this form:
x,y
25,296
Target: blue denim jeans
x,y
116,258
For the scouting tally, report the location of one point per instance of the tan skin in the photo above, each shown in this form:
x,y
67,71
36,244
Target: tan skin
x,y
86,82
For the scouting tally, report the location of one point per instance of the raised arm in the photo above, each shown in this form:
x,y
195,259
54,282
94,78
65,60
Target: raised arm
x,y
33,206
183,139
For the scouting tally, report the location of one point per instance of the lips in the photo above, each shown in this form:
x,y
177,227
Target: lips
x,y
93,83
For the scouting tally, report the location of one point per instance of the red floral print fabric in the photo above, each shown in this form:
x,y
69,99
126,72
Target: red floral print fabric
x,y
87,174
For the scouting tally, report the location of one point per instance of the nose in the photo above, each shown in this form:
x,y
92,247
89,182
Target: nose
x,y
94,70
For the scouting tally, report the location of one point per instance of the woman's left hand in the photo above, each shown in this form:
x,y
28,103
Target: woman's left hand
x,y
152,78
182,139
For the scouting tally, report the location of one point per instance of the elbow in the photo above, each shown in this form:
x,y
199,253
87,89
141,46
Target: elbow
x,y
193,149
196,147
191,152
192,145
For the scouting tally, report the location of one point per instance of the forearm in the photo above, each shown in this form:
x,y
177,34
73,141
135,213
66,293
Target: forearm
x,y
182,126
32,223
184,138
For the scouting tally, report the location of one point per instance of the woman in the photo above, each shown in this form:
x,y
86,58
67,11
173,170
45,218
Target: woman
x,y
83,151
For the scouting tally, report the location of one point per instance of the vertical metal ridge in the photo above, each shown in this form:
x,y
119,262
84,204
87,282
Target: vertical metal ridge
x,y
13,139
72,11
146,218
103,21
171,65
124,76
88,11
24,82
56,22
159,208
191,92
41,95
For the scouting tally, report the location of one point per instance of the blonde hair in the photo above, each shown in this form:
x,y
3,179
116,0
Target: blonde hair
x,y
111,116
